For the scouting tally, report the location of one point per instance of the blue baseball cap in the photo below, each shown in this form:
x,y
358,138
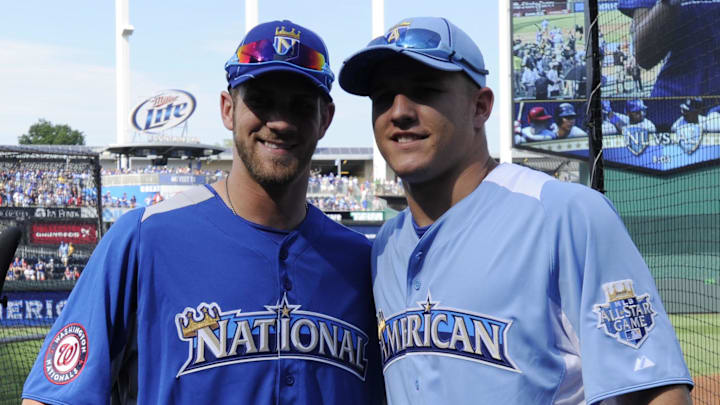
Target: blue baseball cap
x,y
281,46
635,106
433,41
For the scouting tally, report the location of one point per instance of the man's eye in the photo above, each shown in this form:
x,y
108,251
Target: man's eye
x,y
258,102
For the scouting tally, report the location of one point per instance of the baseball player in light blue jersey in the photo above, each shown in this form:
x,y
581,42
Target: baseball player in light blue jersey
x,y
236,292
499,284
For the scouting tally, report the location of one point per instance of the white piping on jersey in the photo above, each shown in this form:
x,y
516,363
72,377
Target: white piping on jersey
x,y
191,196
571,390
519,179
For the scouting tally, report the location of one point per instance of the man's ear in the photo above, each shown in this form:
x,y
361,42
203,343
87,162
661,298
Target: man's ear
x,y
226,109
483,99
327,117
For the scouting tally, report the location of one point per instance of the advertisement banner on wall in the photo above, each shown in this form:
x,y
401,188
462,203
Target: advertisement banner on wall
x,y
53,234
32,308
659,115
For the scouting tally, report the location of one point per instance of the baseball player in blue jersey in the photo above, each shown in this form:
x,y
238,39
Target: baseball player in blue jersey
x,y
238,292
499,284
680,33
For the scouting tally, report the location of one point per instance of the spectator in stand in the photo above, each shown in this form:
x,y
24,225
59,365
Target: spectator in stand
x,y
28,271
40,270
63,251
68,275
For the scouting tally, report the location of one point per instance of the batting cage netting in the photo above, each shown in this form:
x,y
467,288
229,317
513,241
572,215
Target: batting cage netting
x,y
631,87
50,194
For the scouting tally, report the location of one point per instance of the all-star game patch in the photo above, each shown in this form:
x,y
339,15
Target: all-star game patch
x,y
66,354
627,317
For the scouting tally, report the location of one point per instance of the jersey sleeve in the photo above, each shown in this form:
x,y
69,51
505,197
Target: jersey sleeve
x,y
74,365
606,291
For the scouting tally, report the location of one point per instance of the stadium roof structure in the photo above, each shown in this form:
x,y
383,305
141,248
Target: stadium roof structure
x,y
166,150
351,153
69,150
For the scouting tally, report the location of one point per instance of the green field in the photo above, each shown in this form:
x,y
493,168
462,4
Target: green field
x,y
16,359
699,336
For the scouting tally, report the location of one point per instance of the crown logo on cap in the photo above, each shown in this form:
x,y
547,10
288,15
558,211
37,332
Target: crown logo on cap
x,y
619,290
280,31
190,330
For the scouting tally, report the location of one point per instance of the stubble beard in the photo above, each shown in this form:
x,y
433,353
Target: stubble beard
x,y
275,173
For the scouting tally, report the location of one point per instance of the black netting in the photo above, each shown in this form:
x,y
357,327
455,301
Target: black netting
x,y
50,194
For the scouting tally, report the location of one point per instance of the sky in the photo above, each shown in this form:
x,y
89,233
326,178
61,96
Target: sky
x,y
57,59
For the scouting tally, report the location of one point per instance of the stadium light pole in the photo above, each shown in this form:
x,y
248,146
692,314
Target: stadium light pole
x,y
505,79
123,30
251,14
378,28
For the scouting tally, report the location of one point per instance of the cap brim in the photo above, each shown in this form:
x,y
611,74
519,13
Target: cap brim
x,y
236,81
357,70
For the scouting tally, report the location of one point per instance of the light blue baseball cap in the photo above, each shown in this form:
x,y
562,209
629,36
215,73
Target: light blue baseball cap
x,y
433,41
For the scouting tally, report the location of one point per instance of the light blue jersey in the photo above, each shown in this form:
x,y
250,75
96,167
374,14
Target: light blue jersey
x,y
528,291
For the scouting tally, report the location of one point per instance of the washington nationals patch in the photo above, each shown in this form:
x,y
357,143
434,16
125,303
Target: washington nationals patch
x,y
66,354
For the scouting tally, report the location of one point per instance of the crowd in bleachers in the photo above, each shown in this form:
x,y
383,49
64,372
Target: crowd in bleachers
x,y
41,267
349,193
25,187
58,187
150,169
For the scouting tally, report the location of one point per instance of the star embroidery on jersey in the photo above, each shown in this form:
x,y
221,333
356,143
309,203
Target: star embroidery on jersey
x,y
283,309
428,304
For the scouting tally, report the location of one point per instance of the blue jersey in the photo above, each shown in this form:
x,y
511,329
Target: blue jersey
x,y
527,291
186,303
690,67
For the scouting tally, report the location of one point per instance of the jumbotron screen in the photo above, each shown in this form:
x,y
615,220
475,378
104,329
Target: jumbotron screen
x,y
660,88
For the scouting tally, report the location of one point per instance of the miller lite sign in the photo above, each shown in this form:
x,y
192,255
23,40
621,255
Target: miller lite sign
x,y
165,110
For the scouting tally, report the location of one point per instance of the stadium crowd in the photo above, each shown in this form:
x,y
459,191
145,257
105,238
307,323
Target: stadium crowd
x,y
62,266
348,193
46,187
67,188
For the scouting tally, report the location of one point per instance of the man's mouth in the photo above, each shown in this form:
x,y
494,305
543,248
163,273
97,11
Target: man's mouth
x,y
406,137
276,145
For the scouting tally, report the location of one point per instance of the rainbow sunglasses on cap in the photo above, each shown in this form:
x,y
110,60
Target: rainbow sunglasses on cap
x,y
281,46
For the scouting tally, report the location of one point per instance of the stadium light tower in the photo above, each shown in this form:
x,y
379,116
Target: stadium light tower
x,y
505,96
251,14
123,30
378,28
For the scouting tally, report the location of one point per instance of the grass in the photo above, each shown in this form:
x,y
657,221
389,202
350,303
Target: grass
x,y
16,360
699,336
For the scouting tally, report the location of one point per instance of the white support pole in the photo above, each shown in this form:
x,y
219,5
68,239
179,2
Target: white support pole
x,y
123,30
378,29
505,66
251,14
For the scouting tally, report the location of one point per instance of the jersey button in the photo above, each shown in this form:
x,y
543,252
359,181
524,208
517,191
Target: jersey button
x,y
417,285
289,380
287,284
419,254
283,254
